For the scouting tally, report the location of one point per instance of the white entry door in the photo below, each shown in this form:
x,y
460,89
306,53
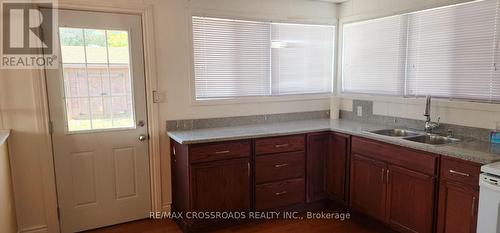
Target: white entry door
x,y
98,111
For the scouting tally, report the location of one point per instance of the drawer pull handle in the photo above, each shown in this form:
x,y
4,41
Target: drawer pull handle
x,y
387,176
281,165
223,152
459,173
473,212
383,175
281,145
280,193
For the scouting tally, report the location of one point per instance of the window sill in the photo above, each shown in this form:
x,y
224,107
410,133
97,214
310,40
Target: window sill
x,y
261,99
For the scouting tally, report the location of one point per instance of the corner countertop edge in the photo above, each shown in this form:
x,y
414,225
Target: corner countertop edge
x,y
4,134
475,151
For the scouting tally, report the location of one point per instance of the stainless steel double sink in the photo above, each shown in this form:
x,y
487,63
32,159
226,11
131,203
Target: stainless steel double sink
x,y
415,136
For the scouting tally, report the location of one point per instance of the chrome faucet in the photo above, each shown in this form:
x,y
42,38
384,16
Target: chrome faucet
x,y
429,125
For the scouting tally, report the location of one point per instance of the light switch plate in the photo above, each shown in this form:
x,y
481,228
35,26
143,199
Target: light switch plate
x,y
158,97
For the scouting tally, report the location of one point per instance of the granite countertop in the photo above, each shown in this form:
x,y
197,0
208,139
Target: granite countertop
x,y
4,134
468,149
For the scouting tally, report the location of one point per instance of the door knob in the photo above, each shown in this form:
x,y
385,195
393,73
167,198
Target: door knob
x,y
142,137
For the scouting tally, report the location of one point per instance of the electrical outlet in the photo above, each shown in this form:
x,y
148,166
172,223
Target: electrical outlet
x,y
359,111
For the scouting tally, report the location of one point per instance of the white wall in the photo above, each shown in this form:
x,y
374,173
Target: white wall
x,y
454,112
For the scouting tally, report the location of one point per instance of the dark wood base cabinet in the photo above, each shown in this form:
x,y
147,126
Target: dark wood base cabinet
x,y
393,185
337,167
458,196
279,172
210,177
410,200
368,187
317,152
221,185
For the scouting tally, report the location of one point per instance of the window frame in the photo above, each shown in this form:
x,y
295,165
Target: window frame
x,y
61,77
404,97
262,98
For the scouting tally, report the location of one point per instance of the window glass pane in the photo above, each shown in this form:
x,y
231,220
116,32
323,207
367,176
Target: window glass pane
x,y
78,114
118,48
101,116
302,58
95,46
72,49
122,111
120,78
373,59
97,76
98,93
75,80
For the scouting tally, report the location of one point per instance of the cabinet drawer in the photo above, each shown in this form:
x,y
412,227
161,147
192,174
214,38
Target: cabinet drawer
x,y
279,194
279,144
460,170
220,150
281,166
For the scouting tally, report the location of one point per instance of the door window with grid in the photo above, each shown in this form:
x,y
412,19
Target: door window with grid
x,y
97,79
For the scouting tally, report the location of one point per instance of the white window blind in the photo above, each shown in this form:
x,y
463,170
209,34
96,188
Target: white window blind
x,y
302,58
236,58
231,57
451,52
373,58
448,52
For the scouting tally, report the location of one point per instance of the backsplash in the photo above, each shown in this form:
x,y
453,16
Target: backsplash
x,y
244,120
368,116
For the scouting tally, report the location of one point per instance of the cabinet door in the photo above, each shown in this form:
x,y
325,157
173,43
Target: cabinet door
x,y
410,200
317,150
221,186
457,208
367,186
336,164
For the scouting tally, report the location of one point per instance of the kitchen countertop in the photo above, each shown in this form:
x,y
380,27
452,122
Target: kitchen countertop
x,y
4,134
468,149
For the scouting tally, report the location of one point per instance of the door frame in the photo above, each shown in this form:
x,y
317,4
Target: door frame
x,y
152,108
